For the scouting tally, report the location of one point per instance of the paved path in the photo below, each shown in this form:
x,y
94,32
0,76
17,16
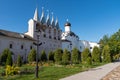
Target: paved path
x,y
95,73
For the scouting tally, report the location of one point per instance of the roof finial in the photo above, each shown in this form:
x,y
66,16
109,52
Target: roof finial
x,y
56,23
52,21
67,20
48,18
36,17
42,16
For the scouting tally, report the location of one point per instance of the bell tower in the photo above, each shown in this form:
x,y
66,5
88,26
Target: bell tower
x,y
32,24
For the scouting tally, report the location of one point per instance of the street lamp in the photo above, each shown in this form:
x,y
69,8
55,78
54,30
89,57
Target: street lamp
x,y
37,44
71,53
25,55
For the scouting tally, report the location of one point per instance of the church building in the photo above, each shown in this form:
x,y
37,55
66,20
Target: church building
x,y
46,30
70,40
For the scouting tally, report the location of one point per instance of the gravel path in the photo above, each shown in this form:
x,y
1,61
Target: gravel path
x,y
113,75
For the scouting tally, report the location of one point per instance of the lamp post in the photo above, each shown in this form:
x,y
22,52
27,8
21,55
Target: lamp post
x,y
71,53
25,55
37,44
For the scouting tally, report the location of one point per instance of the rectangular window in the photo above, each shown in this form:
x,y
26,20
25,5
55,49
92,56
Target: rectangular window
x,y
44,35
50,37
30,47
21,46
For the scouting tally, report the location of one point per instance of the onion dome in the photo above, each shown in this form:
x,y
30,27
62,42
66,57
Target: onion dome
x,y
67,23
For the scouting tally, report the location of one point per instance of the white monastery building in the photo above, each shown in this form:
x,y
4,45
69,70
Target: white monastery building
x,y
50,35
70,40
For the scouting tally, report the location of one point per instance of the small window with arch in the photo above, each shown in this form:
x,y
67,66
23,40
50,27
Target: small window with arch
x,y
10,46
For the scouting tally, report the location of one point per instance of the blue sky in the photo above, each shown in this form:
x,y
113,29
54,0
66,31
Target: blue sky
x,y
90,19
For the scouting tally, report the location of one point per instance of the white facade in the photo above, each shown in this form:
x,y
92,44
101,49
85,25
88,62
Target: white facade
x,y
69,38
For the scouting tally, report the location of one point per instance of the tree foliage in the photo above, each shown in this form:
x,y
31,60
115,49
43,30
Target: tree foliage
x,y
106,57
75,56
51,56
43,56
19,61
96,55
9,60
32,55
4,55
66,57
58,55
113,42
86,56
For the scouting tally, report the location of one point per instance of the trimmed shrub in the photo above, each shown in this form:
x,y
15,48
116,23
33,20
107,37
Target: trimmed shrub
x,y
75,56
43,56
4,56
96,56
66,57
32,56
106,56
19,61
86,56
58,55
9,60
51,56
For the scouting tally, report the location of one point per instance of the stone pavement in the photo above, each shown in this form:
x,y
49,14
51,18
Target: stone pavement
x,y
95,73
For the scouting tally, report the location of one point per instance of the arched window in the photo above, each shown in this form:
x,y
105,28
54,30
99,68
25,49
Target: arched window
x,y
10,46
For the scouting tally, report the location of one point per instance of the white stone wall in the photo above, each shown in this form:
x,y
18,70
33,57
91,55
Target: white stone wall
x,y
66,45
92,45
16,46
73,39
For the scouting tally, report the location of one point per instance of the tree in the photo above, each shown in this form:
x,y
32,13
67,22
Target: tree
x,y
66,57
58,55
9,60
51,56
106,57
113,42
86,56
43,56
96,56
4,55
75,56
32,55
19,61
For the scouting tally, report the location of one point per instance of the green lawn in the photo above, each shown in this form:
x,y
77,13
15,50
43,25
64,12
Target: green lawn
x,y
49,72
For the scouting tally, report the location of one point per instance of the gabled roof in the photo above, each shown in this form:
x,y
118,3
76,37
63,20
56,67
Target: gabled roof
x,y
15,35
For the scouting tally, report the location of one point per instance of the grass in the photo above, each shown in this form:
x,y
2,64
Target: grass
x,y
50,72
